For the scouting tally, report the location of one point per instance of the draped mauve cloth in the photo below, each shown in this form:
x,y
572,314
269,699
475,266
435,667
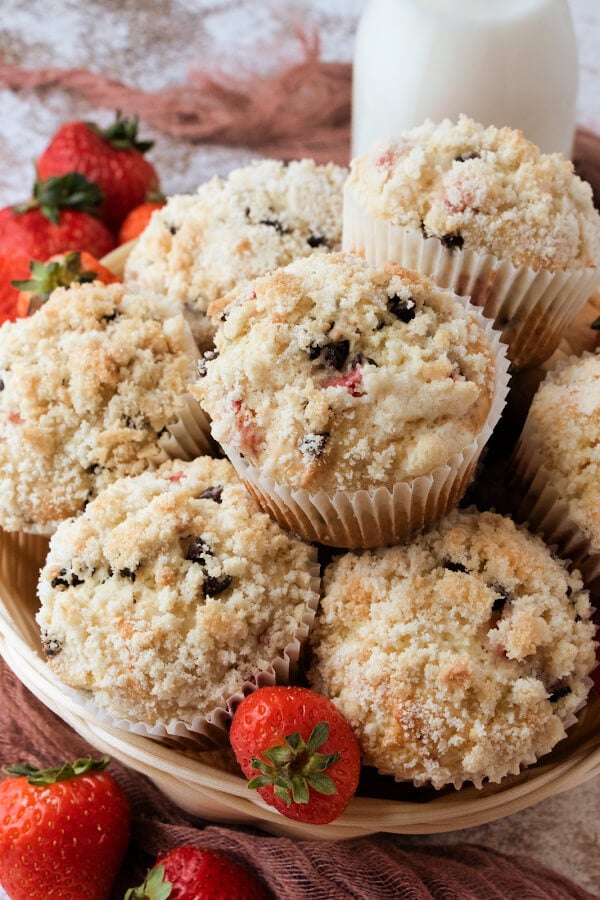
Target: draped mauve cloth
x,y
302,111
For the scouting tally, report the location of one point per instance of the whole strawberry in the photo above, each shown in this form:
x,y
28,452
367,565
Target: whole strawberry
x,y
61,270
137,220
60,216
112,157
187,873
298,751
63,832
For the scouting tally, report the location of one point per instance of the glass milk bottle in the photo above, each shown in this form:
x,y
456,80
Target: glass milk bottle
x,y
502,62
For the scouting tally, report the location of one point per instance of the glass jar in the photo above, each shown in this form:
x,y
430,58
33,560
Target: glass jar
x,y
502,62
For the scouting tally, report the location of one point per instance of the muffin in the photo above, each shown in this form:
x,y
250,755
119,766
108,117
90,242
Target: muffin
x,y
461,656
557,463
172,593
90,387
199,247
346,395
483,211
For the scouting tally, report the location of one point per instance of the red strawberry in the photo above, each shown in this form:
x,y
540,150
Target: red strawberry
x,y
112,157
187,873
61,270
59,217
276,733
11,267
137,220
63,832
352,381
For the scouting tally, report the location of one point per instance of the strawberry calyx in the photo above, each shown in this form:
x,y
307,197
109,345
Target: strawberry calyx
x,y
294,767
46,277
70,191
154,886
42,777
122,134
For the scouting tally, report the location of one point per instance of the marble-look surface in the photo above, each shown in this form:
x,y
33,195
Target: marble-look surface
x,y
153,43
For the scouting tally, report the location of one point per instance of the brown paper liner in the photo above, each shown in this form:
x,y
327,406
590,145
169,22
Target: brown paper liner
x,y
382,516
530,308
210,731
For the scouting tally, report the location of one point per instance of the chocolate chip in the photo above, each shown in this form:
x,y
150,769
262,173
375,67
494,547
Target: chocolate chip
x,y
212,493
317,240
127,573
360,360
559,692
313,351
110,317
75,580
198,551
1,384
172,228
276,224
336,353
59,582
93,469
313,444
51,647
208,356
450,241
503,597
402,308
465,156
216,584
453,566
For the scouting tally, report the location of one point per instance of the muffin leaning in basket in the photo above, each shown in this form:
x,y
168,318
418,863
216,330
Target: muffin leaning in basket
x,y
557,464
353,401
173,595
263,216
462,656
92,388
484,212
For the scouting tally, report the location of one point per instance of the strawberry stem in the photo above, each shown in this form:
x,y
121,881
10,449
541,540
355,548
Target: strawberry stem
x,y
295,767
70,191
122,134
46,277
43,777
154,886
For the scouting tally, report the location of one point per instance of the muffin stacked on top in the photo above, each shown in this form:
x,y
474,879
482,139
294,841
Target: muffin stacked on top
x,y
354,398
263,216
483,211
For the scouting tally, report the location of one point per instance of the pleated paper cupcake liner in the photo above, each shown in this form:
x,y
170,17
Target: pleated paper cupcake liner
x,y
530,308
549,514
383,515
210,731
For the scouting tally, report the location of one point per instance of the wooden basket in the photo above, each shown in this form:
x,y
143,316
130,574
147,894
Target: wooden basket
x,y
209,792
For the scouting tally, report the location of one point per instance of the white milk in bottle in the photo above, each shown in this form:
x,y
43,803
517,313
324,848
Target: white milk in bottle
x,y
502,62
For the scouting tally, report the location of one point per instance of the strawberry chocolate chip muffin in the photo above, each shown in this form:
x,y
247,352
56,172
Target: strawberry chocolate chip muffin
x,y
459,657
483,211
171,593
199,247
89,388
333,378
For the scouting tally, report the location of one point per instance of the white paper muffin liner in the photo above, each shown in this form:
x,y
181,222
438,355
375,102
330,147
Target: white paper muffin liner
x,y
530,308
382,516
210,731
549,514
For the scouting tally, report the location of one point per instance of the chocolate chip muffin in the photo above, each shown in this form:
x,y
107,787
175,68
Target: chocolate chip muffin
x,y
481,211
90,387
557,462
459,657
199,247
170,592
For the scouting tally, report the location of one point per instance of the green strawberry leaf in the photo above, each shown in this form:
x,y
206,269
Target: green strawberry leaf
x,y
154,886
42,777
122,134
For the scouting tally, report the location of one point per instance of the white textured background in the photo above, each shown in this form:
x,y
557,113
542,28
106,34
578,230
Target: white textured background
x,y
153,43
